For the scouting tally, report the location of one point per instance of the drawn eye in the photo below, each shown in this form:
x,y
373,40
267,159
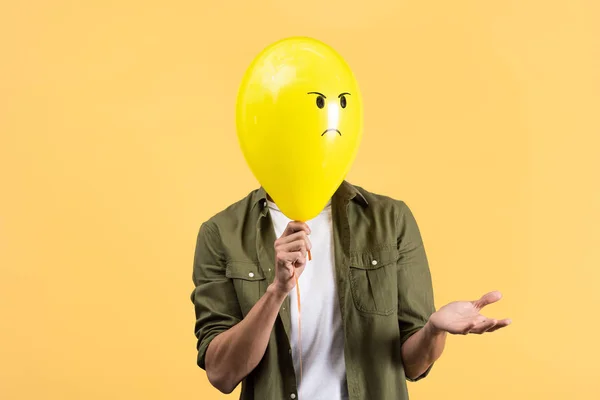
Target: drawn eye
x,y
320,101
343,101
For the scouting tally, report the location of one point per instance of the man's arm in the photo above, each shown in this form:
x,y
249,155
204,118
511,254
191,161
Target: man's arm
x,y
423,329
421,345
230,347
422,349
422,342
458,318
233,354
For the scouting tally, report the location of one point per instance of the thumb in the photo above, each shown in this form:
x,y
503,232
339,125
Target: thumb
x,y
487,299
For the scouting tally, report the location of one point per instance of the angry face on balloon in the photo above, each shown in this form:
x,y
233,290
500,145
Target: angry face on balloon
x,y
299,123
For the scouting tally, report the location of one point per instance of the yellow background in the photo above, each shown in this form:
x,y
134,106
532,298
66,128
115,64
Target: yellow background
x,y
117,140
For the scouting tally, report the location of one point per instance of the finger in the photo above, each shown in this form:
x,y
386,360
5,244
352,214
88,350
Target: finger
x,y
289,269
487,299
288,257
468,328
300,235
300,263
296,245
295,226
297,259
501,324
291,237
484,326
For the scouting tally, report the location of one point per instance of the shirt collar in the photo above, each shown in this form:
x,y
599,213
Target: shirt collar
x,y
259,197
348,191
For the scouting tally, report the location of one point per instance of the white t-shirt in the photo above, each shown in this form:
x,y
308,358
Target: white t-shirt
x,y
323,366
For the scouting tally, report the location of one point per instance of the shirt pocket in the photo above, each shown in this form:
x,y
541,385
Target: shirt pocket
x,y
249,282
373,281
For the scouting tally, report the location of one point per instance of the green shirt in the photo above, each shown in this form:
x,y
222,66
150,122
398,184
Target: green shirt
x,y
383,283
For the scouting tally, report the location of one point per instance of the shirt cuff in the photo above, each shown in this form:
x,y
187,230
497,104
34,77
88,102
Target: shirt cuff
x,y
202,348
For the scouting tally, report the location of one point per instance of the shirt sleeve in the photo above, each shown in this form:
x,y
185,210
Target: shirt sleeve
x,y
415,289
214,296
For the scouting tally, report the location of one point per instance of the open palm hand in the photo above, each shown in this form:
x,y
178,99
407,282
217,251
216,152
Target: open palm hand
x,y
463,317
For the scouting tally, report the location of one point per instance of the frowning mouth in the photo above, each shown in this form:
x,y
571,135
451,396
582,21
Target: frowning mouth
x,y
332,130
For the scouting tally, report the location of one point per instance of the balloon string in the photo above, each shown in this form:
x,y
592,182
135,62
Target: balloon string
x,y
300,321
299,328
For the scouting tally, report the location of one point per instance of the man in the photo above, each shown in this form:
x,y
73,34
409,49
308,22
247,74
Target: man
x,y
368,321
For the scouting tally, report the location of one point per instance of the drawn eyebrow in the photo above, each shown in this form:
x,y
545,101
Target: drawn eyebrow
x,y
320,94
342,94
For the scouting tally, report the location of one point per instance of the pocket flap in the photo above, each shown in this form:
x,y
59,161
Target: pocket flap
x,y
244,270
374,259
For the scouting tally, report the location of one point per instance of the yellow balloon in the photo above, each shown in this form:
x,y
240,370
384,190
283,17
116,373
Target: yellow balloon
x,y
299,123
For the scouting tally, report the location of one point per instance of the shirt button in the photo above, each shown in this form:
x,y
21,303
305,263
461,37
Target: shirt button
x,y
293,396
251,274
374,262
